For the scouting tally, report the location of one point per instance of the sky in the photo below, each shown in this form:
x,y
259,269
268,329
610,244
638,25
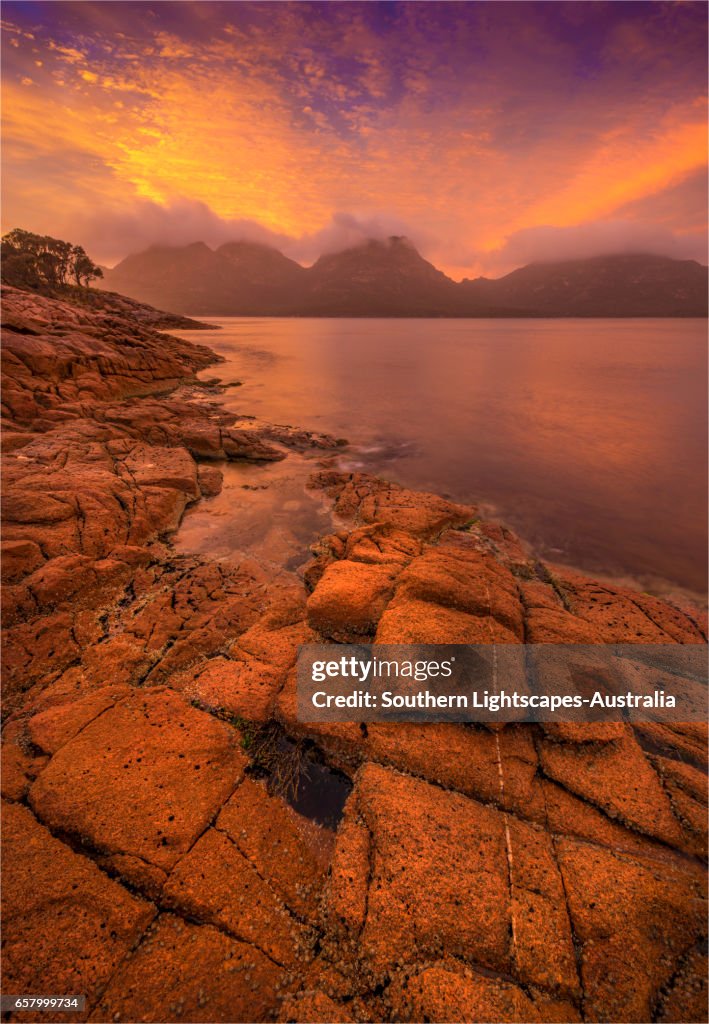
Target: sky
x,y
491,134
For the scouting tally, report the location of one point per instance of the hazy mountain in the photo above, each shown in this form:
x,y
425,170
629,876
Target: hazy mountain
x,y
266,279
239,278
622,285
184,277
379,279
390,278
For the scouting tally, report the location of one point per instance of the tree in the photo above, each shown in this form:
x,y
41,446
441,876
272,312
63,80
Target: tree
x,y
40,261
83,268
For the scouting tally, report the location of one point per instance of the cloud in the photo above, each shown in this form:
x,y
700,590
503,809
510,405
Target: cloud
x,y
466,127
109,234
346,230
599,238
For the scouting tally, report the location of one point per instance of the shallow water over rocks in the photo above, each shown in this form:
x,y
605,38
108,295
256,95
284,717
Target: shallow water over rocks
x,y
587,437
264,516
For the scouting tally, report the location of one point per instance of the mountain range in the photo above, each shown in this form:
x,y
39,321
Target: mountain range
x,y
390,278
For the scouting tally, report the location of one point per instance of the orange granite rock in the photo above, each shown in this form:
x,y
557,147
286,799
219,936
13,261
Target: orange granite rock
x,y
66,926
184,971
141,781
551,873
290,851
448,992
216,883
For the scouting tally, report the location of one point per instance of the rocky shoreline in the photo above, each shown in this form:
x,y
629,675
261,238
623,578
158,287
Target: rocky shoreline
x,y
528,874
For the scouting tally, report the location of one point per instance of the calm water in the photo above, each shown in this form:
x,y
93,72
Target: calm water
x,y
587,437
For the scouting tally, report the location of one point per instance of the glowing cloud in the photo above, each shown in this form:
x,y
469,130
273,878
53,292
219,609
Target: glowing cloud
x,y
467,126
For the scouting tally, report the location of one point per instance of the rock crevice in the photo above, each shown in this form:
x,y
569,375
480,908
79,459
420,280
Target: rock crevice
x,y
533,873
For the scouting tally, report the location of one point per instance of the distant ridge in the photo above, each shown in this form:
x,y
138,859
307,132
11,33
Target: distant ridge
x,y
391,278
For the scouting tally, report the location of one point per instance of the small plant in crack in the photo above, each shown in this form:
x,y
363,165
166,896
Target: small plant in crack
x,y
246,728
284,762
467,525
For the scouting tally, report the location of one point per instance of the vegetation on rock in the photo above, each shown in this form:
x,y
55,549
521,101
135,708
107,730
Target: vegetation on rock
x,y
40,262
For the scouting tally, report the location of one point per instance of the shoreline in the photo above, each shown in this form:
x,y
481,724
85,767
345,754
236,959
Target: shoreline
x,y
649,583
150,710
622,533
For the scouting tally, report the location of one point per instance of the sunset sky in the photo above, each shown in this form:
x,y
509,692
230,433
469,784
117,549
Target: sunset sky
x,y
490,133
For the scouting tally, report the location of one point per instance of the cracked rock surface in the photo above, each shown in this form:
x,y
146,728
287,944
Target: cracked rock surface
x,y
533,873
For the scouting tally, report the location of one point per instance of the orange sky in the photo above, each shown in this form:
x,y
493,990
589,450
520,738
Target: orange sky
x,y
491,134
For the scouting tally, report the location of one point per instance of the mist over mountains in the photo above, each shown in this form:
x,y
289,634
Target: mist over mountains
x,y
390,278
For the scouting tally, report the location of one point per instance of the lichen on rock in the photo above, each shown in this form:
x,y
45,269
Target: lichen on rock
x,y
531,873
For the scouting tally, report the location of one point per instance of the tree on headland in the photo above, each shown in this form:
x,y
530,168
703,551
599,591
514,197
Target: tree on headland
x,y
83,269
39,261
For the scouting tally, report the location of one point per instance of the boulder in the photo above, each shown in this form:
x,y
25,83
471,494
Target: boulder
x,y
349,600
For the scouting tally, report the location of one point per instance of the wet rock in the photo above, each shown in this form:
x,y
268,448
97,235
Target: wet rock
x,y
247,444
300,440
203,439
210,480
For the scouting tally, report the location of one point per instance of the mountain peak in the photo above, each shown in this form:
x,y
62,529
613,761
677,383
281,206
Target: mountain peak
x,y
389,277
391,243
394,242
257,257
247,245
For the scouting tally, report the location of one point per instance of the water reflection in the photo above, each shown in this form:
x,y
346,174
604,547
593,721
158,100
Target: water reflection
x,y
588,437
264,519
